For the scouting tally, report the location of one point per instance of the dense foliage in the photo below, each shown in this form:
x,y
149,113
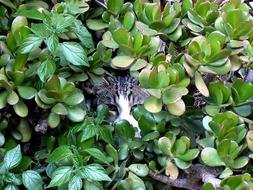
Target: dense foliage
x,y
194,58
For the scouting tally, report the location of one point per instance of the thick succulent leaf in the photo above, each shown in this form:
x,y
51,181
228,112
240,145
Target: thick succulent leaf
x,y
211,158
153,104
173,94
200,84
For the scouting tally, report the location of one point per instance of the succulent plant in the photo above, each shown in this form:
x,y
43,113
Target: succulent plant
x,y
63,98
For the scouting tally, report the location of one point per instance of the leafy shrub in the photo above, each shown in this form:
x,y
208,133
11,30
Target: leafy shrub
x,y
193,57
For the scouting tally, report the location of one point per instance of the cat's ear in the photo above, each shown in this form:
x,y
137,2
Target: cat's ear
x,y
100,86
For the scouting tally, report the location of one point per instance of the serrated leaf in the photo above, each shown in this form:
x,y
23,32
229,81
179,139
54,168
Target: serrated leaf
x,y
39,30
84,35
60,176
74,53
96,153
52,43
46,70
13,157
75,183
32,180
95,172
30,44
59,153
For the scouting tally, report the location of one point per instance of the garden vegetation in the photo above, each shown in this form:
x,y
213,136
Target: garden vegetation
x,y
193,58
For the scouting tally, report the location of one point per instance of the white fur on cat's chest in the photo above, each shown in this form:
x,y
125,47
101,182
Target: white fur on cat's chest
x,y
125,112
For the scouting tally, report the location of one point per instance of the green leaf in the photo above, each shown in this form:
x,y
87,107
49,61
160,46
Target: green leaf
x,y
11,187
89,130
26,92
124,130
12,98
76,114
208,186
21,109
129,20
114,6
122,37
32,13
3,99
84,35
94,172
153,104
164,144
8,3
93,185
177,108
211,158
13,157
249,139
61,176
59,153
96,25
2,139
194,18
46,70
59,23
52,43
112,152
122,62
32,180
200,84
40,30
151,136
75,183
138,64
74,98
59,109
242,91
182,164
144,29
173,94
96,153
74,53
136,182
189,155
53,120
30,44
240,162
139,169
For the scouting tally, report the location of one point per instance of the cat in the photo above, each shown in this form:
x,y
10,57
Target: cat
x,y
123,92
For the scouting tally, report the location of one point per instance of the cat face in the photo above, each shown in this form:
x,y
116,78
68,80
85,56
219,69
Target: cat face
x,y
123,93
112,88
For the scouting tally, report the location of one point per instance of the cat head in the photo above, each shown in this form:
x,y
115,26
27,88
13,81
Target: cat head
x,y
112,88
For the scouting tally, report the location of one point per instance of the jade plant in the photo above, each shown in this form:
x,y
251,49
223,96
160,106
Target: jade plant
x,y
193,60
